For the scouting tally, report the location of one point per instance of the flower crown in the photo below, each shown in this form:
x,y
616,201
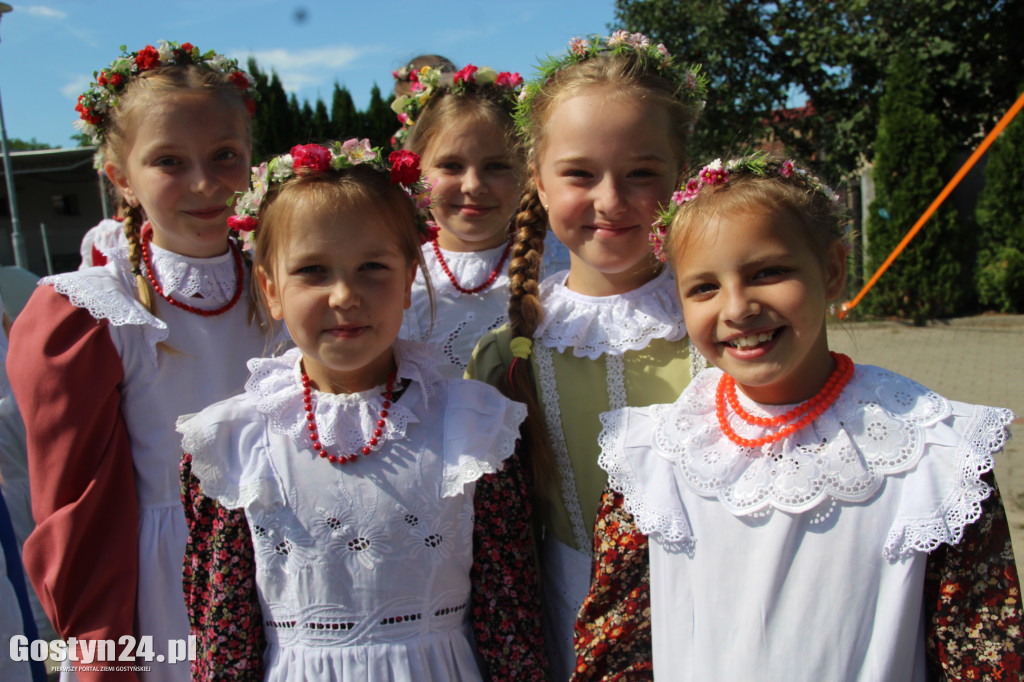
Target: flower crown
x,y
402,167
718,173
94,104
691,83
429,81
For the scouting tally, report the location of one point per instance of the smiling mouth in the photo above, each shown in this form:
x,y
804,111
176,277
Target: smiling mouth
x,y
752,340
348,330
604,229
206,213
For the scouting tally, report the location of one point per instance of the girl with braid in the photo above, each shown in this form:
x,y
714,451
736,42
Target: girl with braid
x,y
606,129
105,359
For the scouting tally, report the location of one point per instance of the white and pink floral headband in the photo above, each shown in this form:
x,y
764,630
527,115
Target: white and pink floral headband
x,y
717,173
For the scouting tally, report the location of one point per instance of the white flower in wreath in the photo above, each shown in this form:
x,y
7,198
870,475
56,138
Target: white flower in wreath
x,y
351,538
430,538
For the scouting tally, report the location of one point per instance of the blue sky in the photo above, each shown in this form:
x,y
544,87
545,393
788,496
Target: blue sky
x,y
50,49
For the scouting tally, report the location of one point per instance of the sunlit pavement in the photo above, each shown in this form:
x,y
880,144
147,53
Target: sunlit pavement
x,y
974,360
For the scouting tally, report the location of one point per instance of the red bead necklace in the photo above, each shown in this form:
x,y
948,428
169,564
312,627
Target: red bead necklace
x,y
793,420
147,258
455,282
307,403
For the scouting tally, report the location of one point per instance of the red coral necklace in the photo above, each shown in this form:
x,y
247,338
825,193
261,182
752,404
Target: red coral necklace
x,y
455,283
793,420
378,432
147,258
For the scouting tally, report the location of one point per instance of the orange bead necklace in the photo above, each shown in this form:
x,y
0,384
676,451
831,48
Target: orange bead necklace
x,y
793,420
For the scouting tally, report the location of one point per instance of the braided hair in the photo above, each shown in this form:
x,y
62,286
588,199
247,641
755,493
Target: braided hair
x,y
626,73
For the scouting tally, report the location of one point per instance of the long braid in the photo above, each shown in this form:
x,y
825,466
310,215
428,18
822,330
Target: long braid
x,y
525,315
133,221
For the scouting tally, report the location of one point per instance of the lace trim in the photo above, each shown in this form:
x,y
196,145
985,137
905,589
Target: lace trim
x,y
107,297
204,283
215,485
672,527
595,325
615,369
343,419
986,434
470,269
323,625
887,412
486,456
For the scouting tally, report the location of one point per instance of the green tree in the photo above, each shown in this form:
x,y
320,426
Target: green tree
x,y
1000,219
911,151
732,39
379,122
273,126
321,121
17,145
345,120
969,52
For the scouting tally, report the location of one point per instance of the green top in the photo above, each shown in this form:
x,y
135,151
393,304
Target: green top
x,y
655,374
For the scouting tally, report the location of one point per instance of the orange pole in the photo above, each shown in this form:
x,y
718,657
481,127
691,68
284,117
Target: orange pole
x,y
950,186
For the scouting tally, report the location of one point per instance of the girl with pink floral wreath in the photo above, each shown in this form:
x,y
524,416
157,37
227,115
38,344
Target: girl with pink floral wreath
x,y
809,518
354,460
104,360
461,125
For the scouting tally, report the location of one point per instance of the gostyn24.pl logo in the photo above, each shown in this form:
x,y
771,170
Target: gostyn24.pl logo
x,y
125,650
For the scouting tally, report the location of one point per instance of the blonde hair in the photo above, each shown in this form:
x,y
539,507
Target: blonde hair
x,y
129,113
818,213
629,75
357,188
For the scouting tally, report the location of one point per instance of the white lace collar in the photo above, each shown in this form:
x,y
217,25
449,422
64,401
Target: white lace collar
x,y
594,325
875,429
469,268
204,283
343,419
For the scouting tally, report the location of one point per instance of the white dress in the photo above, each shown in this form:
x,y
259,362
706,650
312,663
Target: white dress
x,y
362,569
205,365
459,319
805,559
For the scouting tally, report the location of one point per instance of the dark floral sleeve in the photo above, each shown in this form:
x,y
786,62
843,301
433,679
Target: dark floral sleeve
x,y
219,576
972,602
506,609
613,629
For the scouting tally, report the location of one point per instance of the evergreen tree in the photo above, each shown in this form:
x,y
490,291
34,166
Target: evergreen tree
x,y
912,151
321,121
273,129
1000,218
345,120
380,123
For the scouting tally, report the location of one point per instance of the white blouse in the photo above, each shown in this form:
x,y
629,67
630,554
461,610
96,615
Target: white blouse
x,y
362,568
803,559
201,361
459,319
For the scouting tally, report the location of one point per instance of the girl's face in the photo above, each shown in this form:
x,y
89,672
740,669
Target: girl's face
x,y
476,184
340,283
606,165
188,156
754,294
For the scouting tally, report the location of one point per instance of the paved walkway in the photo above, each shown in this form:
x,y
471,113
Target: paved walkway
x,y
974,360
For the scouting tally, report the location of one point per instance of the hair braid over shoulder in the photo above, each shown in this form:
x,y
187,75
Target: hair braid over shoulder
x,y
133,221
525,315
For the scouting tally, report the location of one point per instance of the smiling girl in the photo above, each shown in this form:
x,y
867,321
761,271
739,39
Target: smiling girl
x,y
607,128
461,125
810,519
354,460
104,360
